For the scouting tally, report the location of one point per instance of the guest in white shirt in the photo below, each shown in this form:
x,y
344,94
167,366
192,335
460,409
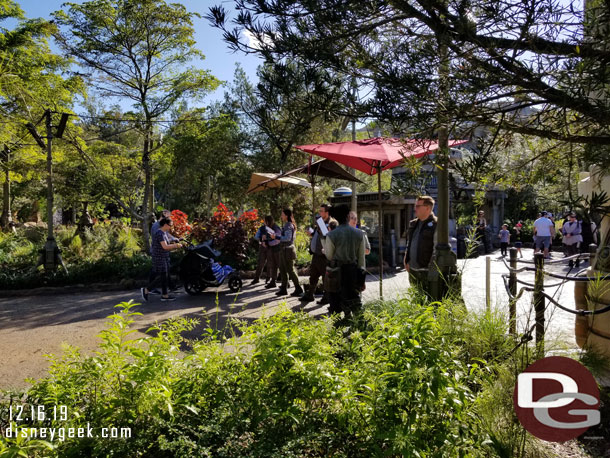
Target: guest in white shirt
x,y
544,229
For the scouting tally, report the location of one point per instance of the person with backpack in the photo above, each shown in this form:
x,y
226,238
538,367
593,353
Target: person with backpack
x,y
572,237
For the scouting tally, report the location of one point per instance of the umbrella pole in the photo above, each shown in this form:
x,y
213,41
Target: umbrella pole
x,y
380,229
313,199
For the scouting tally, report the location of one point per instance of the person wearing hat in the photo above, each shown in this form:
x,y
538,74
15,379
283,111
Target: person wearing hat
x,y
572,237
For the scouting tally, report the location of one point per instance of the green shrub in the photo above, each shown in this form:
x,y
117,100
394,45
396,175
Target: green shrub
x,y
289,386
108,252
301,243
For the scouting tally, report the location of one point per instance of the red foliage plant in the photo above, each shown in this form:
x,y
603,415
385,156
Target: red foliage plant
x,y
180,226
230,235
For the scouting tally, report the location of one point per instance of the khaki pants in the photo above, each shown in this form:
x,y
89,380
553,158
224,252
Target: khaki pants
x,y
287,268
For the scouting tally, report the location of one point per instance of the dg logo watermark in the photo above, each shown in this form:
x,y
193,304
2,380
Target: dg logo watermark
x,y
556,399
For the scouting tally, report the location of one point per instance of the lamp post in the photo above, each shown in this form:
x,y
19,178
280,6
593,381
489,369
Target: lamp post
x,y
50,255
51,250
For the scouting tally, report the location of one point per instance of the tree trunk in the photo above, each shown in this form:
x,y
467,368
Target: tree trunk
x,y
6,219
147,188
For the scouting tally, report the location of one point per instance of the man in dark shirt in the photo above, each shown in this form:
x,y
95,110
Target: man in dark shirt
x,y
421,242
317,268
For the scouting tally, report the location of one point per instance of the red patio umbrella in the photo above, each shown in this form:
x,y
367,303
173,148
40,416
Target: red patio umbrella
x,y
371,156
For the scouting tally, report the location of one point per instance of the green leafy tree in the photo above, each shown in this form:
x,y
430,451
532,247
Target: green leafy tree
x,y
31,82
204,163
537,68
139,51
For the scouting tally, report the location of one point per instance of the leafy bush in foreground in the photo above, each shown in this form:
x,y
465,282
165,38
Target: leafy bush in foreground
x,y
289,386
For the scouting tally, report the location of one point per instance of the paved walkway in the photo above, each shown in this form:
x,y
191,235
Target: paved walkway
x,y
559,324
33,326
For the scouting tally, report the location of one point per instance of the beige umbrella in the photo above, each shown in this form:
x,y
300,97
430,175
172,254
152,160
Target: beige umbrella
x,y
260,181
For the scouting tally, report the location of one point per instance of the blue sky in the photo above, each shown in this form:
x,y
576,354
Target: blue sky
x,y
218,58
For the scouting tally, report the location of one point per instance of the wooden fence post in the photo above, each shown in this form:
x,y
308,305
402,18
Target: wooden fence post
x,y
512,287
539,300
592,253
488,283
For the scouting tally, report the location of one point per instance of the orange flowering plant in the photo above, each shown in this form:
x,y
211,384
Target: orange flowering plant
x,y
180,228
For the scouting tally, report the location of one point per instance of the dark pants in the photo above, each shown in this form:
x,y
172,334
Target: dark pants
x,y
273,262
262,260
503,248
346,300
317,270
571,250
482,237
419,279
155,277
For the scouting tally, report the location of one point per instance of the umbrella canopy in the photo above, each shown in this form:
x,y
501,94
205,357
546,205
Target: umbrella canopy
x,y
324,168
261,181
374,154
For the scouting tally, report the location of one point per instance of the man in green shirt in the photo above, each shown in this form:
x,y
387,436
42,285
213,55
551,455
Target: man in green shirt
x,y
344,247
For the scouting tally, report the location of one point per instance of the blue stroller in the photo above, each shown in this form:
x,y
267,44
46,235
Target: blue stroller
x,y
198,270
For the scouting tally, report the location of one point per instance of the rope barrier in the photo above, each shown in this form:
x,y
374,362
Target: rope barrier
x,y
577,312
510,281
510,269
575,278
578,257
519,294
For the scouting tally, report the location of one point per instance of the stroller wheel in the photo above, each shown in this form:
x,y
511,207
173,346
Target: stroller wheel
x,y
193,287
235,284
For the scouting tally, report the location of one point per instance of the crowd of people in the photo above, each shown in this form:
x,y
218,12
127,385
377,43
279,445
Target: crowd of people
x,y
338,250
576,235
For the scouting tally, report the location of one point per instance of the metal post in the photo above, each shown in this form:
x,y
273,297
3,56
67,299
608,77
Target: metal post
x,y
512,286
488,282
539,300
50,248
380,230
313,200
354,199
393,246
